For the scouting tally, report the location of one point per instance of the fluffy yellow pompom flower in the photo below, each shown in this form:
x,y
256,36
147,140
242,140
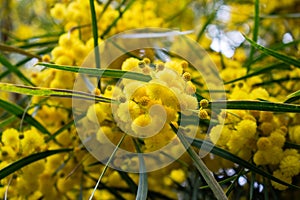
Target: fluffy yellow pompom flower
x,y
32,141
278,174
178,175
294,134
146,125
7,153
130,63
277,139
246,128
10,137
220,135
264,143
96,113
290,166
58,11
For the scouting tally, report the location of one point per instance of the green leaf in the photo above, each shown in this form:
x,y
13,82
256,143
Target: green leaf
x,y
23,61
275,54
39,44
205,145
105,73
293,97
66,126
255,32
20,113
48,92
208,21
281,66
291,145
200,165
143,178
95,36
7,121
255,105
130,183
121,12
15,70
9,48
106,166
27,160
274,47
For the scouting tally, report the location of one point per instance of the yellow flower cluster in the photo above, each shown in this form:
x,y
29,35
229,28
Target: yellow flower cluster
x,y
257,135
145,111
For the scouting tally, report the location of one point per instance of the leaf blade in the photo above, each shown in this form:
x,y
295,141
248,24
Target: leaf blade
x,y
19,112
52,92
15,70
105,73
229,156
27,160
255,105
275,54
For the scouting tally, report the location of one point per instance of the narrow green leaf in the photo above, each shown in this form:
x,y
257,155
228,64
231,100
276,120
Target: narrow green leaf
x,y
255,105
275,81
229,156
281,66
66,126
200,165
7,121
48,92
15,70
231,187
106,166
227,180
255,32
143,178
210,18
121,12
274,47
95,36
291,145
293,97
275,54
4,47
23,61
27,160
130,183
105,73
19,112
252,180
38,44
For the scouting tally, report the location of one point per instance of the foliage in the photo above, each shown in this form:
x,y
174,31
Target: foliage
x,y
249,140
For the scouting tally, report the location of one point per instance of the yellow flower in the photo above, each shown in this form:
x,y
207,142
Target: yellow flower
x,y
220,135
246,128
290,165
7,153
175,65
259,93
10,137
266,128
96,113
277,139
58,11
178,175
265,116
129,64
278,174
264,143
32,141
294,134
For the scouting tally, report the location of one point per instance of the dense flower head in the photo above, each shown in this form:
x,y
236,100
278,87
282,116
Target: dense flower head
x,y
62,33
